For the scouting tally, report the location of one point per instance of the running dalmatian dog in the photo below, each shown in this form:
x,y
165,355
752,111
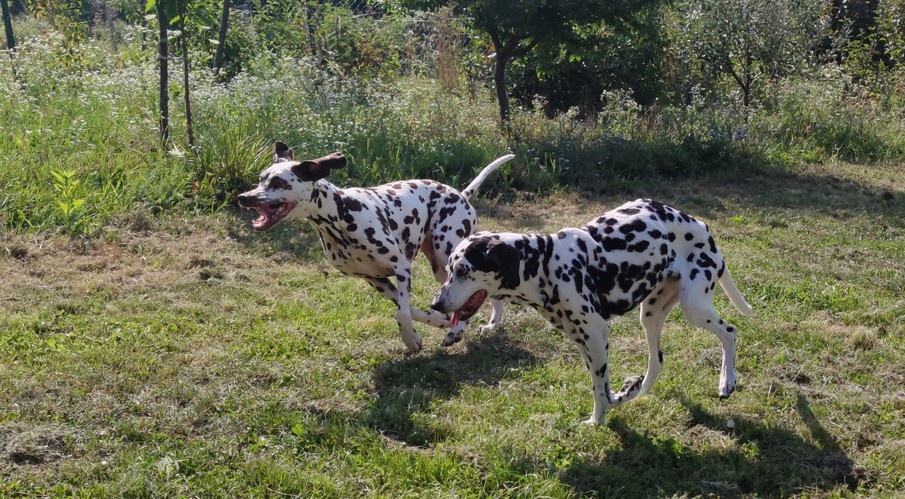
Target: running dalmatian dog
x,y
374,233
642,252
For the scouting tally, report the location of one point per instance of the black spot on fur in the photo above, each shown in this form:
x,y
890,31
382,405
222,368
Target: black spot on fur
x,y
279,184
635,226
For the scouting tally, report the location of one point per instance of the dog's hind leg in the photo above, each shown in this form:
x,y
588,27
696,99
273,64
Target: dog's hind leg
x,y
696,298
654,311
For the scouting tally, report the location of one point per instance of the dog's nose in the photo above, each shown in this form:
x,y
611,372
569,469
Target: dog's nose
x,y
244,199
438,306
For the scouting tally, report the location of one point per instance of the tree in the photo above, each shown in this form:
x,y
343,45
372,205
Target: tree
x,y
168,11
517,27
163,52
749,40
8,25
617,56
221,36
108,19
185,75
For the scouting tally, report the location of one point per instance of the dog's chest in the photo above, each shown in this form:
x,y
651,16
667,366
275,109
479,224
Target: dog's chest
x,y
357,251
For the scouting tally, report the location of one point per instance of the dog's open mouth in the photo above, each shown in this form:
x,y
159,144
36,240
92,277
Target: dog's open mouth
x,y
271,214
470,308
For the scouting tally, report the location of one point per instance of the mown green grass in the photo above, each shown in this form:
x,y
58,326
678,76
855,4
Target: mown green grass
x,y
184,355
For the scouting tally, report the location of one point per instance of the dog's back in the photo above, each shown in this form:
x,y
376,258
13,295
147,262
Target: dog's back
x,y
644,242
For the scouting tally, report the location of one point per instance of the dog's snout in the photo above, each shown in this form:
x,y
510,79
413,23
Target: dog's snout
x,y
438,306
245,199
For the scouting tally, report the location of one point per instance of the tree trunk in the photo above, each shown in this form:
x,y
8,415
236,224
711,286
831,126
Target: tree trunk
x,y
499,80
8,25
162,52
221,37
185,77
108,17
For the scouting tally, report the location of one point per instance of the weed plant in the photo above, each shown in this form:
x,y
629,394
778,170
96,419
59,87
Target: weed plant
x,y
90,116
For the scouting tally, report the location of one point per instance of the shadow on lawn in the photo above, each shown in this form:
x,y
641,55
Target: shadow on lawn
x,y
825,193
702,195
767,461
409,386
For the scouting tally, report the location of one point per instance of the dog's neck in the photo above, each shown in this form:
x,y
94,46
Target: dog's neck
x,y
535,286
324,209
319,203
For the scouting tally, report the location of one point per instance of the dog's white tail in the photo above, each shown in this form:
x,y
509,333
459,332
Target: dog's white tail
x,y
473,186
732,292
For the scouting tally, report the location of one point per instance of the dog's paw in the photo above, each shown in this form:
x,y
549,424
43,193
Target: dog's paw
x,y
414,345
594,422
726,391
452,338
630,384
488,328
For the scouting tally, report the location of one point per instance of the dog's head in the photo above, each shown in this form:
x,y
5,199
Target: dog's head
x,y
482,265
286,183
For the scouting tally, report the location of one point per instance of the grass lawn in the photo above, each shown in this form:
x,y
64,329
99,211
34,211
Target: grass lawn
x,y
189,356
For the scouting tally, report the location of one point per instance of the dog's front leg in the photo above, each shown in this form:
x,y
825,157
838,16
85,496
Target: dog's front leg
x,y
592,342
404,314
495,318
388,290
455,334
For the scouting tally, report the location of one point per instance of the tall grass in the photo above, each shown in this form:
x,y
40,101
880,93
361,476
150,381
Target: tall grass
x,y
90,118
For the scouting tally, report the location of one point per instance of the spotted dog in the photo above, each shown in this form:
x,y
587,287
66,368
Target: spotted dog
x,y
374,233
642,252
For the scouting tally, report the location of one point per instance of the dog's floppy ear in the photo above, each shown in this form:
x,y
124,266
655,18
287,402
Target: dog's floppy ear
x,y
507,261
493,255
281,152
316,169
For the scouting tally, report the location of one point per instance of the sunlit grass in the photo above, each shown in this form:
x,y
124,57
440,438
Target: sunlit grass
x,y
200,358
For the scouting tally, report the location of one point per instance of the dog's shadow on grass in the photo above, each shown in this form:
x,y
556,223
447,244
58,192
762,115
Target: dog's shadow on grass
x,y
765,460
407,388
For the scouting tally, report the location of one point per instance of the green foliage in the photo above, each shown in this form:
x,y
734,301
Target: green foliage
x,y
621,54
68,196
369,43
92,115
819,118
875,60
747,40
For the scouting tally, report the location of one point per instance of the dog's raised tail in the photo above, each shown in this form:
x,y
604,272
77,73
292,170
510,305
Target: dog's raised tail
x,y
476,183
734,295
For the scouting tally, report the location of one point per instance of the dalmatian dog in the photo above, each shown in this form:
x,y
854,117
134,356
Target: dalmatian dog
x,y
643,252
375,232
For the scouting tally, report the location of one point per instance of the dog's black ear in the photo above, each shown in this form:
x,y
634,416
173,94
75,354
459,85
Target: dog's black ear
x,y
493,255
316,169
507,262
281,152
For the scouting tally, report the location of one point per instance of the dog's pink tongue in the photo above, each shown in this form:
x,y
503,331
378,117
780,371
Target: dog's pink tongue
x,y
454,321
